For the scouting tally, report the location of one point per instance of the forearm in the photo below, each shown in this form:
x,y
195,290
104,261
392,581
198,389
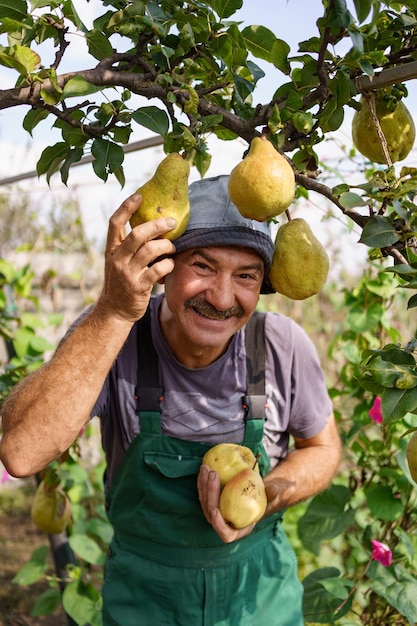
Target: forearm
x,y
44,414
305,472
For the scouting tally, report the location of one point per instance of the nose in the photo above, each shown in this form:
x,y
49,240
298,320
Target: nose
x,y
221,292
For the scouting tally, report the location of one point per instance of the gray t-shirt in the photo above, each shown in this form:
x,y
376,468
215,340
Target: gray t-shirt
x,y
205,404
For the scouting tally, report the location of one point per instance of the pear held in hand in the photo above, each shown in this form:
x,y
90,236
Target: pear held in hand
x,y
411,455
51,508
166,195
243,499
300,264
262,185
228,459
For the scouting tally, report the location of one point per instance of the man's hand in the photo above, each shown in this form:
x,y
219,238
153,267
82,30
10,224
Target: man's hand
x,y
130,267
208,484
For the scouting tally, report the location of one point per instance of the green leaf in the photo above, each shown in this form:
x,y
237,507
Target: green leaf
x,y
379,232
38,345
339,16
210,121
27,58
202,162
71,14
51,157
401,269
279,55
321,599
98,44
47,603
325,518
362,8
349,200
50,97
332,122
152,118
412,303
74,155
33,117
108,157
226,8
230,47
81,602
100,528
394,354
34,569
78,86
383,504
259,40
395,403
398,588
13,9
87,549
361,320
20,58
384,372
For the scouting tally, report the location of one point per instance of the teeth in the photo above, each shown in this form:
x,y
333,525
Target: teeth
x,y
208,317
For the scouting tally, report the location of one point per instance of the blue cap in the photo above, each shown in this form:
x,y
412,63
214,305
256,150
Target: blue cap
x,y
215,221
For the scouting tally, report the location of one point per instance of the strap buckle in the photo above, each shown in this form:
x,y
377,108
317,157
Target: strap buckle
x,y
254,406
149,398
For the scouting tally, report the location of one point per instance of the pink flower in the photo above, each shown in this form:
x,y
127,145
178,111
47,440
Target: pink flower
x,y
5,476
381,553
375,412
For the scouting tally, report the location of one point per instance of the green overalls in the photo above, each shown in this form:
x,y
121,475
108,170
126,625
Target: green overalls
x,y
166,565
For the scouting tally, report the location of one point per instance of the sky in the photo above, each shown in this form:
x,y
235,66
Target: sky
x,y
291,20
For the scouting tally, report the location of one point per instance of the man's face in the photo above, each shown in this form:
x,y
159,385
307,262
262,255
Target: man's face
x,y
211,294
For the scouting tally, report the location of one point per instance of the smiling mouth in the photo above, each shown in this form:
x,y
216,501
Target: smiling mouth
x,y
207,311
218,317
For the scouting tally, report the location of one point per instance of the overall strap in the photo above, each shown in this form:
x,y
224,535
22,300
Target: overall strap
x,y
255,400
148,393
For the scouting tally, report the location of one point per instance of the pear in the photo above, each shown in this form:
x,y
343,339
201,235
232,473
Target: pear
x,y
411,455
51,508
166,195
228,459
262,185
300,264
243,499
396,124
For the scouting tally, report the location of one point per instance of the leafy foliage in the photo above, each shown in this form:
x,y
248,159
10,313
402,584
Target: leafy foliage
x,y
374,497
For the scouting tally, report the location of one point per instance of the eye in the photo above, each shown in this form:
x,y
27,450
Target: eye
x,y
201,266
249,277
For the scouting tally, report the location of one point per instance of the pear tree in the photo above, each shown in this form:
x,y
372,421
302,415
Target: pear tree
x,y
187,70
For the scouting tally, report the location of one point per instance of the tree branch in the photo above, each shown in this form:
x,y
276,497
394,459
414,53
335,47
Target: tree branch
x,y
313,185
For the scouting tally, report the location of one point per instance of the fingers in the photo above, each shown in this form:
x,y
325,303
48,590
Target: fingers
x,y
149,230
117,223
144,243
208,484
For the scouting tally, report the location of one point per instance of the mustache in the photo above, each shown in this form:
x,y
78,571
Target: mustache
x,y
201,306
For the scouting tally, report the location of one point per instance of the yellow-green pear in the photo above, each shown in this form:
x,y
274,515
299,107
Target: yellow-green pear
x,y
243,499
262,185
411,455
228,459
166,195
51,509
300,264
397,125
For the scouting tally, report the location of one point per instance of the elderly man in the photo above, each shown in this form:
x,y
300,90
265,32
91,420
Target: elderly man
x,y
170,375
